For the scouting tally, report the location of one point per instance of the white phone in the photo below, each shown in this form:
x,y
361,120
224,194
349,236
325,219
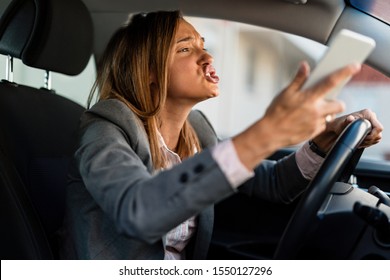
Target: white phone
x,y
348,47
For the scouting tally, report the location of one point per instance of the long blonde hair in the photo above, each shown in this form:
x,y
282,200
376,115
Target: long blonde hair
x,y
136,50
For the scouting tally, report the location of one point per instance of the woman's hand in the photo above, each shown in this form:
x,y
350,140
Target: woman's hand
x,y
294,116
326,139
297,115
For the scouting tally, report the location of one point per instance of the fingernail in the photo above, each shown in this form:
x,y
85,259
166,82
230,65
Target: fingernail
x,y
350,118
356,67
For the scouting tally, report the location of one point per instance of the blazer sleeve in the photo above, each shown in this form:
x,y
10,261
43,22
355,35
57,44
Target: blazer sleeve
x,y
277,181
143,204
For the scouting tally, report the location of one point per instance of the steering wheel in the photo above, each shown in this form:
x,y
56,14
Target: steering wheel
x,y
342,158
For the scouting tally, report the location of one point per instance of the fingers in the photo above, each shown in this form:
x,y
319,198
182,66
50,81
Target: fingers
x,y
375,136
331,108
370,116
300,77
334,80
327,107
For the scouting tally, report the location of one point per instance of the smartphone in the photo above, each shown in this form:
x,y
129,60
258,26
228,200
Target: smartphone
x,y
348,47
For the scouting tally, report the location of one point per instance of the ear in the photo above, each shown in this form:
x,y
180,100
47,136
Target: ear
x,y
152,78
153,82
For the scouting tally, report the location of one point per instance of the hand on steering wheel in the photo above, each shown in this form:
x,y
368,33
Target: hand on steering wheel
x,y
340,158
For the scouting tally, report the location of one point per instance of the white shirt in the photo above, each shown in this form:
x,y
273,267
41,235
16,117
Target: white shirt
x,y
177,239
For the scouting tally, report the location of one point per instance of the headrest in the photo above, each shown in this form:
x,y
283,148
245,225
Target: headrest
x,y
54,35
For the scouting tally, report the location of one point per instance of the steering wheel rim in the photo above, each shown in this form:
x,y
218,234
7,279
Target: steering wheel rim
x,y
335,163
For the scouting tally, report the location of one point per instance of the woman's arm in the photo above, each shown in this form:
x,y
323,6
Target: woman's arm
x,y
142,204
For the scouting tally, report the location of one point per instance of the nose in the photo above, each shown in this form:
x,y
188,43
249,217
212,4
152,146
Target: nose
x,y
206,58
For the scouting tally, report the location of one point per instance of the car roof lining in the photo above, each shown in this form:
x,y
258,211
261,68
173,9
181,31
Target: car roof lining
x,y
317,19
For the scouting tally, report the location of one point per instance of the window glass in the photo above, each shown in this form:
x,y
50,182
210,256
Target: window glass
x,y
371,89
377,8
254,64
76,88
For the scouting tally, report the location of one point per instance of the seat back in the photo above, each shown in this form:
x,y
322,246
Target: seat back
x,y
38,128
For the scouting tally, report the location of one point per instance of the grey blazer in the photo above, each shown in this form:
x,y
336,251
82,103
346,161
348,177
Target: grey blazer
x,y
119,208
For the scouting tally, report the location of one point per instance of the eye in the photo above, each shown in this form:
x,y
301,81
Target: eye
x,y
184,50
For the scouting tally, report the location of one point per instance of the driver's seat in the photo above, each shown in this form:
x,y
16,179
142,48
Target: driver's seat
x,y
38,128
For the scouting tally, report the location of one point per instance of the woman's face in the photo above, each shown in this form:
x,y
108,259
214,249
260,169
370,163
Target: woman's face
x,y
192,78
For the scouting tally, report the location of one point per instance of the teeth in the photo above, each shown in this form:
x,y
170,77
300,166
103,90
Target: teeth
x,y
208,75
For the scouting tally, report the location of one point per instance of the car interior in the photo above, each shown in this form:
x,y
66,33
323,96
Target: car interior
x,y
344,214
38,126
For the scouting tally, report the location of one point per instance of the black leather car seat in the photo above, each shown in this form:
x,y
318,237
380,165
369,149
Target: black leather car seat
x,y
38,128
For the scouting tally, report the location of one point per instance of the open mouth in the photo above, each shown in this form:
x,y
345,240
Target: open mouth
x,y
210,74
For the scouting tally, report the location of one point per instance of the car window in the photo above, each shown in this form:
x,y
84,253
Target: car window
x,y
255,63
76,88
377,8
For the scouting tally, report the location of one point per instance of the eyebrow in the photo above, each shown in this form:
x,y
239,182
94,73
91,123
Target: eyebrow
x,y
189,38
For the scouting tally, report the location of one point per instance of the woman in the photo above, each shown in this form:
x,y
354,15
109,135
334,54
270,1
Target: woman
x,y
149,169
